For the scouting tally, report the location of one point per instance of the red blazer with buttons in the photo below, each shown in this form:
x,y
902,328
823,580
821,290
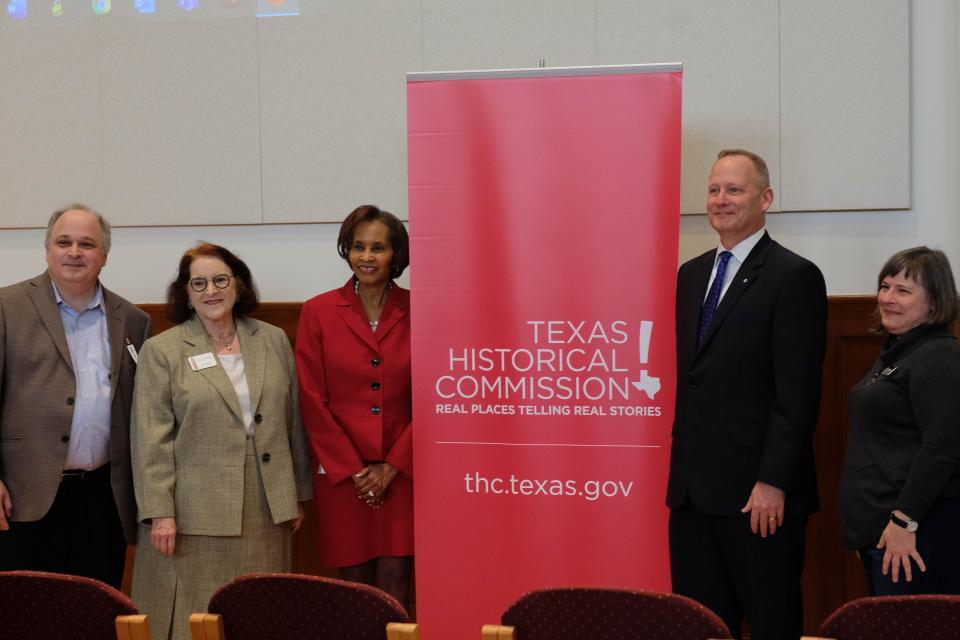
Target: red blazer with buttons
x,y
355,399
355,383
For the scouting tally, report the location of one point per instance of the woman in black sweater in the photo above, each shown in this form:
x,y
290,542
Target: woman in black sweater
x,y
900,489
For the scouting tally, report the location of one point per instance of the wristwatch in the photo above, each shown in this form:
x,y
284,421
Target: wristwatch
x,y
910,525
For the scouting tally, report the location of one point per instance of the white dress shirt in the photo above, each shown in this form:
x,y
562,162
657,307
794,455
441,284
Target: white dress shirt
x,y
740,253
236,371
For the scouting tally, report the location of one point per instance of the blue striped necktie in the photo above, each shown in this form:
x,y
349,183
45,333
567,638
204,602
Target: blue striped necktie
x,y
709,308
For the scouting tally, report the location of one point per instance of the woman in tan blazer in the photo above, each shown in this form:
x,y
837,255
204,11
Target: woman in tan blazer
x,y
220,462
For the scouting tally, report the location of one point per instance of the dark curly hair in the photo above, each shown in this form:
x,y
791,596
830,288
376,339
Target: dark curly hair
x,y
178,307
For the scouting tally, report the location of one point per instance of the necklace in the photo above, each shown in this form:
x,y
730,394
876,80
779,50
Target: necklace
x,y
356,290
226,340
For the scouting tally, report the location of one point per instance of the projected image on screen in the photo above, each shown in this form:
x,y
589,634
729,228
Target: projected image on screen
x,y
17,9
39,9
270,8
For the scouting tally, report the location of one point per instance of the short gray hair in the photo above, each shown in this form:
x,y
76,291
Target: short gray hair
x,y
79,206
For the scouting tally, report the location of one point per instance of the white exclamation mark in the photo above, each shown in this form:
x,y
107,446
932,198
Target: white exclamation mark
x,y
646,328
647,383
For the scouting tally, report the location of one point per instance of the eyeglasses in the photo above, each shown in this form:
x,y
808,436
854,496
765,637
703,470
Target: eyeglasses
x,y
220,281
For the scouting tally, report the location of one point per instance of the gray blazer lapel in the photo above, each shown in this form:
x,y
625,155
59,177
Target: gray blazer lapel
x,y
115,323
197,344
254,358
46,305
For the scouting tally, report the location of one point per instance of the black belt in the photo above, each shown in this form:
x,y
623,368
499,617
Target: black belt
x,y
79,476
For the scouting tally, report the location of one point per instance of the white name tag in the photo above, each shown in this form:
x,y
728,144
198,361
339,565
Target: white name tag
x,y
202,361
133,352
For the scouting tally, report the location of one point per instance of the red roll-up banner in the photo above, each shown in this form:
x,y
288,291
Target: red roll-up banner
x,y
544,217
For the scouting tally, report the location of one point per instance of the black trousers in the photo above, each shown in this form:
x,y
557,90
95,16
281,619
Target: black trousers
x,y
719,562
80,534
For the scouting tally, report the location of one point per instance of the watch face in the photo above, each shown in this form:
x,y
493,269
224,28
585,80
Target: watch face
x,y
910,525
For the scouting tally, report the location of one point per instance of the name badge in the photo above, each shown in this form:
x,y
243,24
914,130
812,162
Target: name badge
x,y
202,361
132,350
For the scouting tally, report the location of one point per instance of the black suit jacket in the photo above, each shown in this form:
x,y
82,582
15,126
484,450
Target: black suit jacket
x,y
748,398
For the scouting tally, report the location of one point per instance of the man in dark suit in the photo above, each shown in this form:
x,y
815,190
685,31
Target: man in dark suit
x,y
67,361
751,336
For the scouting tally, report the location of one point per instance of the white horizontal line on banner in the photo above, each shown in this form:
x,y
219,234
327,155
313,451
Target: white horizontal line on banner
x,y
550,444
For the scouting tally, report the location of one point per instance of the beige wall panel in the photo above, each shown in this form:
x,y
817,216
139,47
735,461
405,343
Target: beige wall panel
x,y
499,34
845,104
215,117
333,104
729,52
181,117
49,116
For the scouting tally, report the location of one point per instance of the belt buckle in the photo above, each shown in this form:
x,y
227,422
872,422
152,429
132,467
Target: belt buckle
x,y
69,476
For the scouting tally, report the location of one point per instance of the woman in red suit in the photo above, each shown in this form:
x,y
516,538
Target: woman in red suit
x,y
353,362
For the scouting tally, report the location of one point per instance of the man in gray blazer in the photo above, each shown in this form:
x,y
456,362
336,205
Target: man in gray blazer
x,y
67,360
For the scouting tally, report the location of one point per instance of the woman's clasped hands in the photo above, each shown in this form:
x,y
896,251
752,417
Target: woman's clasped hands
x,y
372,482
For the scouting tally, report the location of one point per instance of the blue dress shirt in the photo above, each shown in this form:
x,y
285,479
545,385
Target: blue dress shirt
x,y
89,342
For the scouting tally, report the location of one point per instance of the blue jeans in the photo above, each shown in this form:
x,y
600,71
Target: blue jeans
x,y
938,543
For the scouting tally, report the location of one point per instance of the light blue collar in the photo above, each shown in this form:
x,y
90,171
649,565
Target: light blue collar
x,y
96,301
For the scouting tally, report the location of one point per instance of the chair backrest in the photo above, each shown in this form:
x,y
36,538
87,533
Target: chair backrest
x,y
598,613
206,626
133,627
880,617
40,605
286,605
403,631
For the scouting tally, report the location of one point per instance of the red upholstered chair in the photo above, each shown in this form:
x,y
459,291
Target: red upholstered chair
x,y
881,617
596,613
286,605
39,605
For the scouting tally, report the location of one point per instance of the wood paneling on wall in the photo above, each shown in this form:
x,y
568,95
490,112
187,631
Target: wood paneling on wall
x,y
832,575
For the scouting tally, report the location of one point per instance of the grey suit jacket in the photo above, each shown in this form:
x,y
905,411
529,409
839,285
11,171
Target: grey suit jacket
x,y
188,436
37,388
